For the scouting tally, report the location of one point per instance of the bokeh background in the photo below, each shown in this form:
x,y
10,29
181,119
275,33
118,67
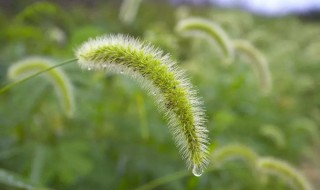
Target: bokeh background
x,y
117,139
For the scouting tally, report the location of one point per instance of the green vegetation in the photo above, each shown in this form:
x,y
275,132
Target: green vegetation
x,y
116,139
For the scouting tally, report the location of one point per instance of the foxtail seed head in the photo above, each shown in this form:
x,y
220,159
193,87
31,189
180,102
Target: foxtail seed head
x,y
283,170
57,77
159,75
212,31
258,61
233,151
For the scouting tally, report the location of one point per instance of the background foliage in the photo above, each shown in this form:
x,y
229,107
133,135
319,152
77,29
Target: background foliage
x,y
117,140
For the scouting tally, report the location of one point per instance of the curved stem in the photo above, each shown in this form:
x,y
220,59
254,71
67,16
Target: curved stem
x,y
4,89
167,179
163,180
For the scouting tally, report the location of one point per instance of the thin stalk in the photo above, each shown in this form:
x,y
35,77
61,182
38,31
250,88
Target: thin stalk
x,y
37,164
9,86
168,178
13,180
164,180
143,117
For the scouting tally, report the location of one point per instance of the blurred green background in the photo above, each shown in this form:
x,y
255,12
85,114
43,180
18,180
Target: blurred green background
x,y
116,139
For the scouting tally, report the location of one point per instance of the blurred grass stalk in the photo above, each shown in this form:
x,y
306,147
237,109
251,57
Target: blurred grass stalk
x,y
38,164
129,10
13,180
143,117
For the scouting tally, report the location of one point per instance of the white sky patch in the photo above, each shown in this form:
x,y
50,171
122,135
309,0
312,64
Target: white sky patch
x,y
271,7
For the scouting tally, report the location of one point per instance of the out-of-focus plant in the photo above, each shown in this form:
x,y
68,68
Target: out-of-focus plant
x,y
57,77
199,27
258,61
283,170
274,134
14,180
129,10
231,152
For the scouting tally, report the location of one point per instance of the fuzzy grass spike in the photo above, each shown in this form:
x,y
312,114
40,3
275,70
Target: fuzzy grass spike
x,y
283,170
199,27
258,61
57,77
233,151
158,74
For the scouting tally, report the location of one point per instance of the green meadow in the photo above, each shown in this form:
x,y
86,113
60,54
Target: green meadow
x,y
78,128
